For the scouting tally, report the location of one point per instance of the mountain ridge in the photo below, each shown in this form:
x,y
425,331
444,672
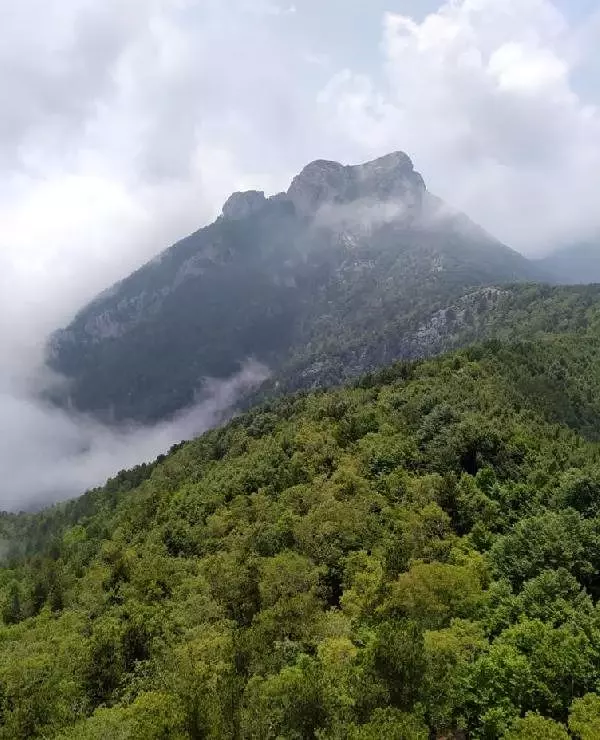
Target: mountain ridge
x,y
346,249
577,264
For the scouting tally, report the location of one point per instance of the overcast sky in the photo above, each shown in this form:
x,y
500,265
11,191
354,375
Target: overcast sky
x,y
126,123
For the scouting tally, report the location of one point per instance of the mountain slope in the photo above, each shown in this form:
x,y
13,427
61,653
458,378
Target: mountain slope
x,y
507,313
347,255
578,264
415,556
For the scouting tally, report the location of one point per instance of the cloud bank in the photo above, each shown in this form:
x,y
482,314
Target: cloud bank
x,y
127,123
482,94
114,142
47,454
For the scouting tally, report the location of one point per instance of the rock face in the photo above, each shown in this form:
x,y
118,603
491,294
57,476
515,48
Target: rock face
x,y
330,276
389,178
242,205
323,183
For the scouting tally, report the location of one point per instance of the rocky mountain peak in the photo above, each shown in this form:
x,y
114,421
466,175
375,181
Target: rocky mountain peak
x,y
393,163
391,177
242,205
319,182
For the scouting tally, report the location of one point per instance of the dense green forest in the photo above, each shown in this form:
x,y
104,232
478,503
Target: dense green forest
x,y
414,556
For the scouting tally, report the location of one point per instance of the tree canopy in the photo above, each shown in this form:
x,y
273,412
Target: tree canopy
x,y
413,556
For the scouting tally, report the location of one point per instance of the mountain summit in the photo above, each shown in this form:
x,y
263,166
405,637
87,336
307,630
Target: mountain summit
x,y
320,283
390,178
323,183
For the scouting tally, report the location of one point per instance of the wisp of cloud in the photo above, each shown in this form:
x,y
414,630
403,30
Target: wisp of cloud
x,y
49,454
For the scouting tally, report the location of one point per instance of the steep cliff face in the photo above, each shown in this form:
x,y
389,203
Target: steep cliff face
x,y
242,205
349,257
390,179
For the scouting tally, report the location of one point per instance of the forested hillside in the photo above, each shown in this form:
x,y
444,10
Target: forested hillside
x,y
503,312
413,556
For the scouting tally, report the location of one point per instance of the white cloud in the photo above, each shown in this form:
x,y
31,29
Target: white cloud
x,y
50,455
480,93
125,126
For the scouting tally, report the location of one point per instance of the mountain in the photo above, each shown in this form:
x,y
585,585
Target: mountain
x,y
413,556
514,312
320,283
576,264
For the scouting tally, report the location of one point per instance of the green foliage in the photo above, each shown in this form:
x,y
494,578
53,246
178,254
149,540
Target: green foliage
x,y
434,593
584,717
286,704
413,556
386,724
535,727
152,716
